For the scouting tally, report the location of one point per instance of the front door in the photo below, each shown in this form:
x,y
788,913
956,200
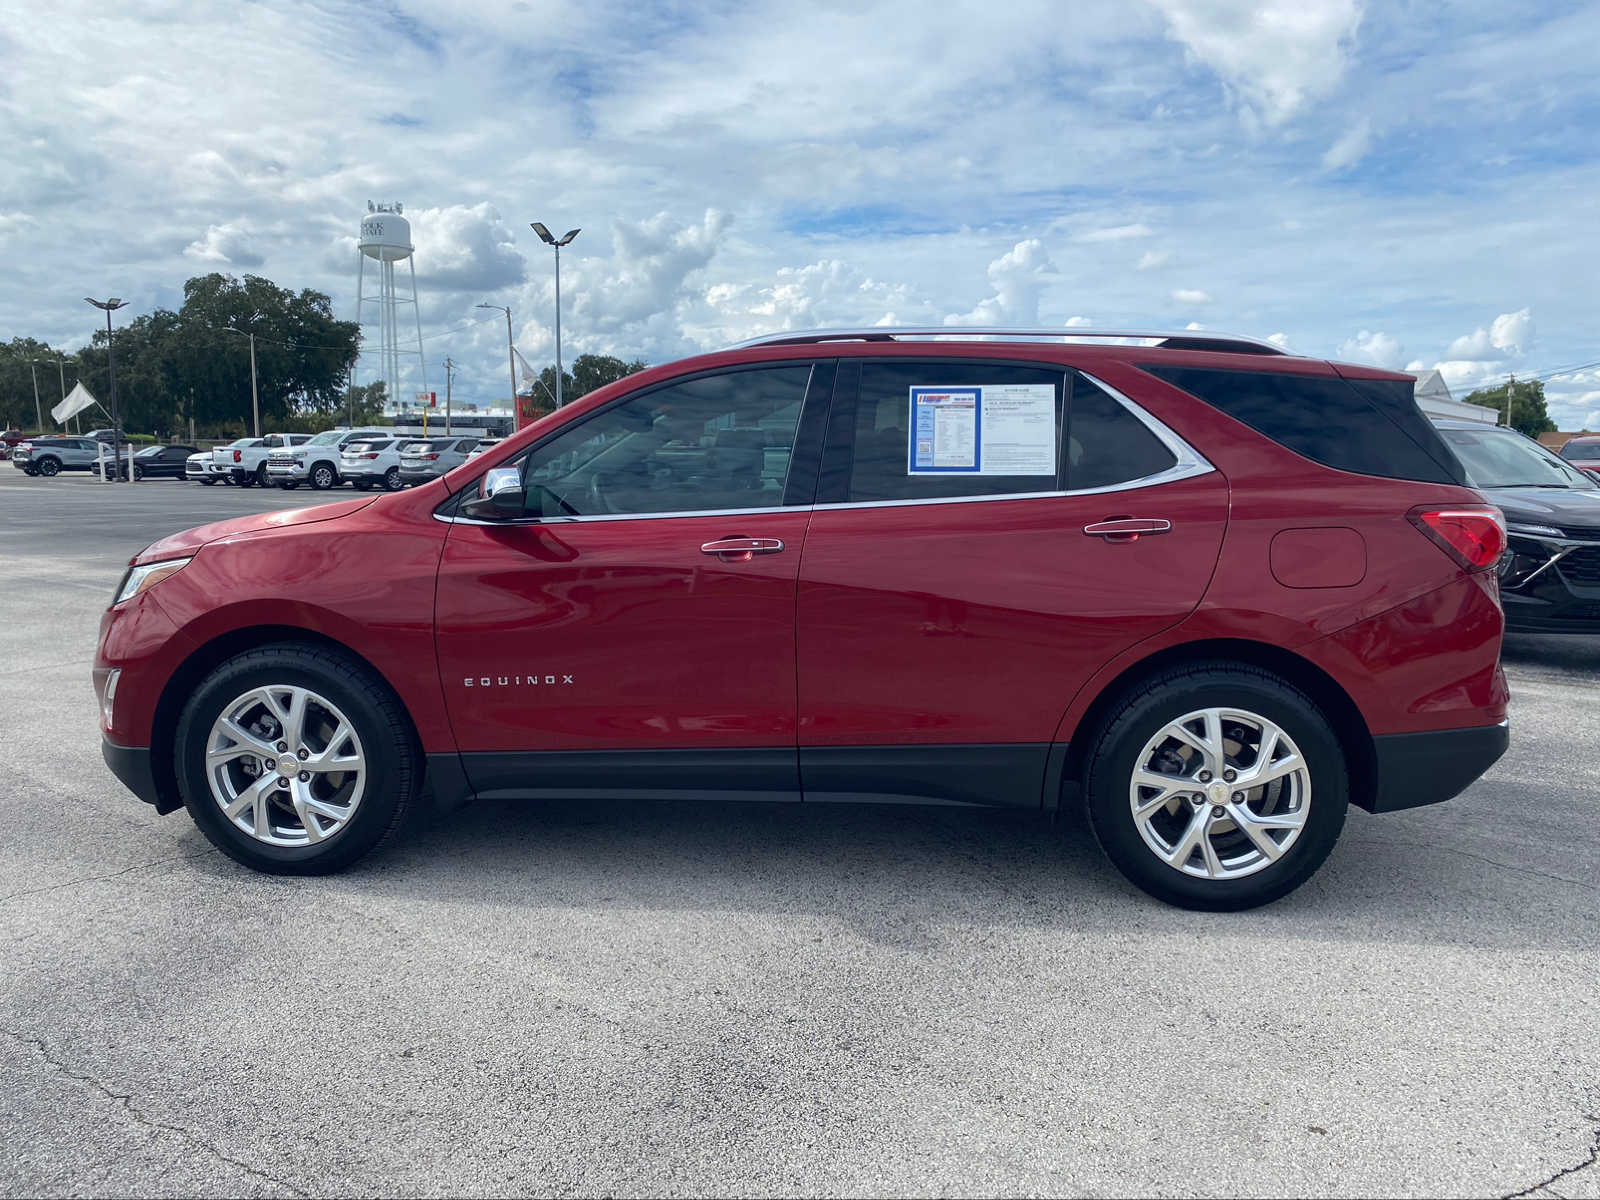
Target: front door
x,y
633,632
953,593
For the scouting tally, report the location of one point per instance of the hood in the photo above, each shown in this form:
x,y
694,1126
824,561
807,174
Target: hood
x,y
1548,506
190,540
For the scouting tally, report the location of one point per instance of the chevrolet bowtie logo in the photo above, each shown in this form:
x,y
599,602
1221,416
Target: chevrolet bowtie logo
x,y
484,681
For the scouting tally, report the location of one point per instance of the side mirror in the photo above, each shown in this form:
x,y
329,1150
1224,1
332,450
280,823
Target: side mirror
x,y
503,497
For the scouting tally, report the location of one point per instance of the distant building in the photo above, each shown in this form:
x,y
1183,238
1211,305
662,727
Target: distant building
x,y
1434,399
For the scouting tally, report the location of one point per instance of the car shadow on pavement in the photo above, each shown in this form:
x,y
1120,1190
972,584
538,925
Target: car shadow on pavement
x,y
1563,652
913,877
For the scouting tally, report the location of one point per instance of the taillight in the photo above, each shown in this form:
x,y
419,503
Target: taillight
x,y
431,457
1474,537
238,456
372,455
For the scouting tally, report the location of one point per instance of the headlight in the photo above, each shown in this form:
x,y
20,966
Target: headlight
x,y
139,579
298,454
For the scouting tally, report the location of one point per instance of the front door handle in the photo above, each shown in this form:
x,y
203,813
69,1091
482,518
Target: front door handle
x,y
742,549
1127,529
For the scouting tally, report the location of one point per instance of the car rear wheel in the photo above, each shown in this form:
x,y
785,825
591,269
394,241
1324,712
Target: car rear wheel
x,y
261,475
391,479
1217,787
48,467
296,760
323,477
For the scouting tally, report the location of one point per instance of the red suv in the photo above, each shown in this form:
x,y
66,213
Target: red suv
x,y
1212,591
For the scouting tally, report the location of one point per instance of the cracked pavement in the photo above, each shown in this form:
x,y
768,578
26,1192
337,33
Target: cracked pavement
x,y
694,998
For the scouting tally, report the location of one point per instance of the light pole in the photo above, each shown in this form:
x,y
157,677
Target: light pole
x,y
449,384
511,360
547,239
38,413
61,369
110,306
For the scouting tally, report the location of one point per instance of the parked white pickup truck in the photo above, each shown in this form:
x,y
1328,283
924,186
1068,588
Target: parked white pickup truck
x,y
245,461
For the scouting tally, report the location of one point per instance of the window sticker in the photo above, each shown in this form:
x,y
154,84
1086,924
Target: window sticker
x,y
994,429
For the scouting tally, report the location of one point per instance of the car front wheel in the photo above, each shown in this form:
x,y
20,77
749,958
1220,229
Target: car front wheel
x,y
323,477
1217,787
48,467
296,760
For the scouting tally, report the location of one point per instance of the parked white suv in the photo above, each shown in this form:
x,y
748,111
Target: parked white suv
x,y
317,461
374,462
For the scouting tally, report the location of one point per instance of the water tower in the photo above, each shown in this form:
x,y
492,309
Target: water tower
x,y
386,240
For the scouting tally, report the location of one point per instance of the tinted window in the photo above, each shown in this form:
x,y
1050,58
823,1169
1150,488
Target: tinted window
x,y
1581,451
1107,444
716,442
882,463
1369,426
1503,459
466,444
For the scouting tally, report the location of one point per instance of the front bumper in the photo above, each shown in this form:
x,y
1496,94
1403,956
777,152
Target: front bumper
x,y
1428,768
281,469
131,765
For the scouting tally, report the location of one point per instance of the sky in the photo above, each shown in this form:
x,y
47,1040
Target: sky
x,y
1406,184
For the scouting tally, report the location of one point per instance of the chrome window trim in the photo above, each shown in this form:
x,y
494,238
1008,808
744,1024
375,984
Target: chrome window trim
x,y
1190,463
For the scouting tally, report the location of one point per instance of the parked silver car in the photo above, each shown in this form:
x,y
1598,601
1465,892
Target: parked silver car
x,y
422,461
51,455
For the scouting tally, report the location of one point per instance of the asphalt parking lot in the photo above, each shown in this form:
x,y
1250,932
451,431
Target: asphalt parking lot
x,y
688,998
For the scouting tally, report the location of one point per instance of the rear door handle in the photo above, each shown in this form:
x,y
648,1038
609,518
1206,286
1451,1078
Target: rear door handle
x,y
1127,529
742,549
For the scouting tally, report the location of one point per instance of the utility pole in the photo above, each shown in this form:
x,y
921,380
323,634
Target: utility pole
x,y
61,369
108,307
255,400
38,413
511,360
449,382
1511,382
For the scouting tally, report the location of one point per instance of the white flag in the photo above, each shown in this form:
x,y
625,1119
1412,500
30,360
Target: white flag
x,y
529,375
77,400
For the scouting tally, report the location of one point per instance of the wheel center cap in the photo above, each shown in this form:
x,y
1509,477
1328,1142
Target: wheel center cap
x,y
288,765
1219,792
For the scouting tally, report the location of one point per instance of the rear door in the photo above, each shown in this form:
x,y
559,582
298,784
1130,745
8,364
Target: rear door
x,y
634,629
948,610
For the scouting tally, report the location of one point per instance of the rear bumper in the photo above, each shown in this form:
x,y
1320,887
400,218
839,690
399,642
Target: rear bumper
x,y
1426,768
131,765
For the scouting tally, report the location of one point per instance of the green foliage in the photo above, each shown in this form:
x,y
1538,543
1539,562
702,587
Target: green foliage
x,y
1528,412
193,365
589,373
18,371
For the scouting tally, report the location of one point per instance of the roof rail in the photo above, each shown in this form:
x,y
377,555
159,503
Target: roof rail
x,y
1186,339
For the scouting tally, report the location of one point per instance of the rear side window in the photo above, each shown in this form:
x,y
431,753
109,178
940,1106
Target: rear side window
x,y
1581,451
1107,444
1368,426
928,430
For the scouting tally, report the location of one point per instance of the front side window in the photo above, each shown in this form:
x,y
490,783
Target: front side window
x,y
716,442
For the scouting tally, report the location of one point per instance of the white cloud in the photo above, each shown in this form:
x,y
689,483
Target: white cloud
x,y
1273,55
225,246
465,248
1018,276
1374,348
1078,322
1280,340
1194,325
1116,233
1351,147
1508,335
1150,260
1190,296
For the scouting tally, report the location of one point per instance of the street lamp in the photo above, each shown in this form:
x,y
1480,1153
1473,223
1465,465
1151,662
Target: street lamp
x,y
110,306
548,240
255,398
61,369
511,360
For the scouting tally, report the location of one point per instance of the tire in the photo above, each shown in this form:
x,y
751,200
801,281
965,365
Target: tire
x,y
391,479
138,474
48,467
323,477
261,476
31,472
385,793
1226,869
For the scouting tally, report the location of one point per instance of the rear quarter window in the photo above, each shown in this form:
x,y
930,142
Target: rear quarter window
x,y
1367,426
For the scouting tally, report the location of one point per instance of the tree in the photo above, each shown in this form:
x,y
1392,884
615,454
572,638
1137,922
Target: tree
x,y
17,373
589,373
1528,412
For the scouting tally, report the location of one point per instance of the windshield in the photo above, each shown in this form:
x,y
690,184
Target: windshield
x,y
150,452
243,442
1502,459
325,438
1587,451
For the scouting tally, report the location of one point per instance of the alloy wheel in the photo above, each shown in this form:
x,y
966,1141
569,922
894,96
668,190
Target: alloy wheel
x,y
1220,793
285,765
